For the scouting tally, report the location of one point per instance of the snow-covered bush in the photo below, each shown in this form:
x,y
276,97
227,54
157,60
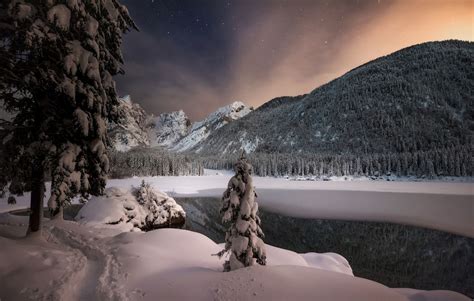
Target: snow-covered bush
x,y
162,210
244,236
142,208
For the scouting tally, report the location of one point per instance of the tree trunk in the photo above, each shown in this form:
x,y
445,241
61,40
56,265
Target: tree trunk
x,y
37,198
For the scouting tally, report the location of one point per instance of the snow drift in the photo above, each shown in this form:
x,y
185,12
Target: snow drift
x,y
76,263
172,264
142,208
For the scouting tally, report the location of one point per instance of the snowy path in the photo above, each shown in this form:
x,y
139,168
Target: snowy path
x,y
73,262
97,273
91,274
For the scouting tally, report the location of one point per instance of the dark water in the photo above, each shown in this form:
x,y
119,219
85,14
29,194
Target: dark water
x,y
394,255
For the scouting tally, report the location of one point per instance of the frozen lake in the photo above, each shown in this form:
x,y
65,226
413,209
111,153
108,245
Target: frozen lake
x,y
445,206
438,205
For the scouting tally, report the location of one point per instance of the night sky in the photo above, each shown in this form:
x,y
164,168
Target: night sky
x,y
199,55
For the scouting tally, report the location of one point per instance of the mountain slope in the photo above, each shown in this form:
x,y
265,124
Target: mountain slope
x,y
168,128
417,99
131,130
172,131
200,130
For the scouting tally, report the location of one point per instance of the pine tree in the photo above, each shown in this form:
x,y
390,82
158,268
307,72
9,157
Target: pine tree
x,y
58,60
243,238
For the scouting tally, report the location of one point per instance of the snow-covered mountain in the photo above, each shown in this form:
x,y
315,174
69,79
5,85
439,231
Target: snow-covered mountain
x,y
200,130
131,130
172,131
168,128
388,105
414,100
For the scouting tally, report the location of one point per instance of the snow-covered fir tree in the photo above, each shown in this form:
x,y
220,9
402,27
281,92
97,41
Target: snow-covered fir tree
x,y
244,236
58,60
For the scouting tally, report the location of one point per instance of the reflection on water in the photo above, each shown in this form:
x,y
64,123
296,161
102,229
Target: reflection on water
x,y
395,255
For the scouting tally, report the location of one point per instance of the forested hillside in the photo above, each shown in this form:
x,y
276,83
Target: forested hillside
x,y
454,161
417,99
152,162
410,113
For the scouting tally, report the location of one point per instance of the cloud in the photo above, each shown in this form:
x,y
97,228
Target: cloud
x,y
277,48
407,23
310,54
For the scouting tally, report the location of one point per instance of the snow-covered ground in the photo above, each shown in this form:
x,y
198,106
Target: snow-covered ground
x,y
79,262
76,262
